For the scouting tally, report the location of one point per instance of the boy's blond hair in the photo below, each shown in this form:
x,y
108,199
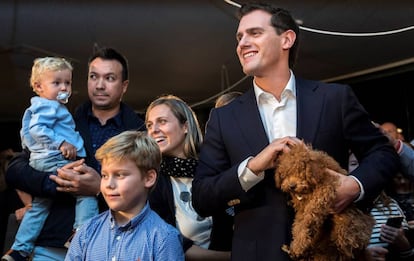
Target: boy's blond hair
x,y
42,65
132,145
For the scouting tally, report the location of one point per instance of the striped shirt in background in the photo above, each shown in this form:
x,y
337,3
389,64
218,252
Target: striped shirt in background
x,y
381,213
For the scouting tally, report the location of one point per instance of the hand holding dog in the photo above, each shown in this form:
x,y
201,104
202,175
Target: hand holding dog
x,y
266,159
347,191
315,182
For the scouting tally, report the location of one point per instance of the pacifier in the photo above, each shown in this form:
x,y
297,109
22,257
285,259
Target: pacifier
x,y
63,97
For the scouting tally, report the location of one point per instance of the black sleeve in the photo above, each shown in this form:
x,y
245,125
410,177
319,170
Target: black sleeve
x,y
20,175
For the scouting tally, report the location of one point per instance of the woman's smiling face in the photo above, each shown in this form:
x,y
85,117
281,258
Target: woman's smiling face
x,y
165,128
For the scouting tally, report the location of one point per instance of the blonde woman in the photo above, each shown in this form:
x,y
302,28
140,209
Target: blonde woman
x,y
173,124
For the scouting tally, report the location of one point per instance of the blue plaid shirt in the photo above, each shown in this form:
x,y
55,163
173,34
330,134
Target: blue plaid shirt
x,y
146,237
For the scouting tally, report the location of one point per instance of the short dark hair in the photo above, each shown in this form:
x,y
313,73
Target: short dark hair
x,y
106,53
281,20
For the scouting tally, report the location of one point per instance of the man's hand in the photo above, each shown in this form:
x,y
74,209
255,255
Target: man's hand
x,y
77,178
266,159
347,191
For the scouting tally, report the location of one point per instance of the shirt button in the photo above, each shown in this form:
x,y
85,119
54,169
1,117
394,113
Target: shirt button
x,y
118,238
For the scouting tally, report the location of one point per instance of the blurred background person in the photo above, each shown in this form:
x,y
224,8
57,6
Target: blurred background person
x,y
226,98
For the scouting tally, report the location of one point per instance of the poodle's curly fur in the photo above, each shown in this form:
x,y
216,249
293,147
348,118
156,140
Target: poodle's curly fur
x,y
317,233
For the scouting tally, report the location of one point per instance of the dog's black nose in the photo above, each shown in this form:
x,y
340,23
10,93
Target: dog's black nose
x,y
292,186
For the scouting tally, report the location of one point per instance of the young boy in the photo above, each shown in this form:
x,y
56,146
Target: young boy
x,y
48,132
130,229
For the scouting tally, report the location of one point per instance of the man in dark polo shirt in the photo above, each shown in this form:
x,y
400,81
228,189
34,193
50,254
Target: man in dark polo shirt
x,y
98,119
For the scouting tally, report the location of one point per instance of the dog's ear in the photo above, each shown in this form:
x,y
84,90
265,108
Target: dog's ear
x,y
279,172
312,173
316,167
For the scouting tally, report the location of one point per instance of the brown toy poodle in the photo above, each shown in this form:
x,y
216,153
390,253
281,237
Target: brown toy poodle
x,y
317,233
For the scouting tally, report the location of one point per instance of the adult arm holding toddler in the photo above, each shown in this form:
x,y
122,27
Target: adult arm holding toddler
x,y
59,223
75,177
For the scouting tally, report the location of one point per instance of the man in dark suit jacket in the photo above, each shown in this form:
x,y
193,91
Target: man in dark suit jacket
x,y
244,138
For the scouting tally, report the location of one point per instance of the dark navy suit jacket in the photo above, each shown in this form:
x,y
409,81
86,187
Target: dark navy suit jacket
x,y
329,116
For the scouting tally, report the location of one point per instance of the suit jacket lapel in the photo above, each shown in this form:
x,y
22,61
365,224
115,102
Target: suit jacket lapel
x,y
251,126
309,108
